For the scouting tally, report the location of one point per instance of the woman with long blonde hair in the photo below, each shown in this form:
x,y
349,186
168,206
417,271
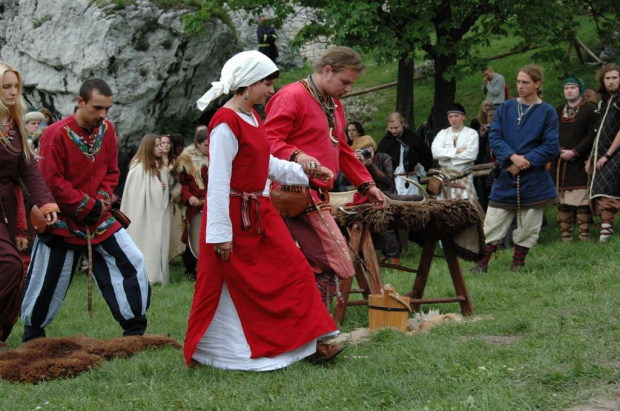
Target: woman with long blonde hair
x,y
16,159
146,202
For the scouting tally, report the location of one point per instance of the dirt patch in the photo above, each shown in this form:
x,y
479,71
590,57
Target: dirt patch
x,y
606,404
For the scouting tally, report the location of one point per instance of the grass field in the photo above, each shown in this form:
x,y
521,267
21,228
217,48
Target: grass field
x,y
559,315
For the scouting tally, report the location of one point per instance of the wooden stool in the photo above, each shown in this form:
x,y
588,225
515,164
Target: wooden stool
x,y
371,282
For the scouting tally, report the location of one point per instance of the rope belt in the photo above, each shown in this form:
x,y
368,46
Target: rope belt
x,y
245,207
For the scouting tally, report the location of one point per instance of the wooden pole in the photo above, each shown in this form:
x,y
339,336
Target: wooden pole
x,y
417,78
588,51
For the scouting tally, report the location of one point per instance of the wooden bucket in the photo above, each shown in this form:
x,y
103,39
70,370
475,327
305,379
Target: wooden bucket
x,y
388,309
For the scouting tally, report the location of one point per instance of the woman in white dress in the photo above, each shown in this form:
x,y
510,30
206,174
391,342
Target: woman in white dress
x,y
146,202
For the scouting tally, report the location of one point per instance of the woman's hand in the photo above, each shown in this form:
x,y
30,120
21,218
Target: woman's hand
x,y
224,250
587,167
21,243
194,201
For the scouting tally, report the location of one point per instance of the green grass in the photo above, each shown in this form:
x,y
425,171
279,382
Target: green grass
x,y
563,309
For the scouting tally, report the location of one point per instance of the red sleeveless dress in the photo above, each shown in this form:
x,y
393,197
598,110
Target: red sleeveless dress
x,y
270,282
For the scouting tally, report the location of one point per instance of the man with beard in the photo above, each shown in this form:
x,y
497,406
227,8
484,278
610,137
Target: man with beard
x,y
411,154
578,121
603,166
306,124
78,160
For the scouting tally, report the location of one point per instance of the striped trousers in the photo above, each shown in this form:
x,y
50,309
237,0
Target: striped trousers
x,y
118,270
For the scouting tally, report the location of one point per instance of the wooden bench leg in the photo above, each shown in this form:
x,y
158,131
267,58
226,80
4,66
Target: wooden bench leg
x,y
457,274
424,267
355,238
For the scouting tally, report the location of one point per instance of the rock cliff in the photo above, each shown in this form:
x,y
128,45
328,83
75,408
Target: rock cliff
x,y
156,71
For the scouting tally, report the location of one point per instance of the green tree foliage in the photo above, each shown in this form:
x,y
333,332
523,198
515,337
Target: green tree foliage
x,y
452,34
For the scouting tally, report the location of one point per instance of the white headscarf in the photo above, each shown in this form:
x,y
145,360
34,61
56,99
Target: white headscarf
x,y
241,70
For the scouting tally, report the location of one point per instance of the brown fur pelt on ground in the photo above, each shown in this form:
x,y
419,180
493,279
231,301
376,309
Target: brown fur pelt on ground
x,y
45,359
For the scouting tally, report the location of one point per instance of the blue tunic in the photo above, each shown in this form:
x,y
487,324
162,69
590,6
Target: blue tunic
x,y
537,138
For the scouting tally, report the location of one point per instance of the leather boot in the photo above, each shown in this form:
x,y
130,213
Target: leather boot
x,y
607,225
483,265
565,222
325,353
518,258
583,219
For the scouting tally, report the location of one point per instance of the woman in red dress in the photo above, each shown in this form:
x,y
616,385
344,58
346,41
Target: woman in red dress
x,y
256,306
17,160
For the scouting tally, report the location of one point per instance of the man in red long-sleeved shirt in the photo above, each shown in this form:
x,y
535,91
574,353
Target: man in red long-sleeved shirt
x,y
306,124
78,160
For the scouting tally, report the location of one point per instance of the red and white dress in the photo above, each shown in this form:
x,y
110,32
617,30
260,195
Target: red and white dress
x,y
261,309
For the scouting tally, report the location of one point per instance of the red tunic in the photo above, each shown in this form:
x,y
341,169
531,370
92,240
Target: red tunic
x,y
270,282
295,121
77,179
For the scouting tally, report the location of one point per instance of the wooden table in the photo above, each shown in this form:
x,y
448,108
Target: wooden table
x,y
368,272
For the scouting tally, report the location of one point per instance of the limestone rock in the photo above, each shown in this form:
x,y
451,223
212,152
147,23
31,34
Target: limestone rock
x,y
154,69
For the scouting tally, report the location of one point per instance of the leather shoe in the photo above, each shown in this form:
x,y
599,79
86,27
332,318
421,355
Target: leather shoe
x,y
479,269
325,353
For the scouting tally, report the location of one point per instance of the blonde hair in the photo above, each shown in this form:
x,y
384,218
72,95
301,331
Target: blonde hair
x,y
396,116
536,74
145,155
482,114
15,112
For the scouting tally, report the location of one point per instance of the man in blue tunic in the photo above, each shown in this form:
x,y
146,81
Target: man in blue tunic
x,y
524,137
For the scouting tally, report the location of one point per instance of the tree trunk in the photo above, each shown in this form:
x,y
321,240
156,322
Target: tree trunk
x,y
445,91
404,91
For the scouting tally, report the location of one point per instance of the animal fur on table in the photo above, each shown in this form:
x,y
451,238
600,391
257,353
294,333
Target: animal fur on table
x,y
459,218
45,359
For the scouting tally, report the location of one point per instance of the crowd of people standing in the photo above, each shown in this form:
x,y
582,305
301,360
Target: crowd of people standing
x,y
250,264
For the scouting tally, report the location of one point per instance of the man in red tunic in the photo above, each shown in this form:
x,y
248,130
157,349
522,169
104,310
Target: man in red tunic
x,y
78,160
306,124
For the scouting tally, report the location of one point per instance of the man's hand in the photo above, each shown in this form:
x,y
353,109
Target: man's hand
x,y
485,80
514,170
224,250
587,167
520,161
567,155
310,164
415,169
324,174
459,150
376,197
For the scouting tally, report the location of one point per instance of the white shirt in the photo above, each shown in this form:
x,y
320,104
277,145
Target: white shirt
x,y
444,148
223,147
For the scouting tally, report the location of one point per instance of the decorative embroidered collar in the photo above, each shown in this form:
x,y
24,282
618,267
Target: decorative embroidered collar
x,y
569,113
89,150
328,107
